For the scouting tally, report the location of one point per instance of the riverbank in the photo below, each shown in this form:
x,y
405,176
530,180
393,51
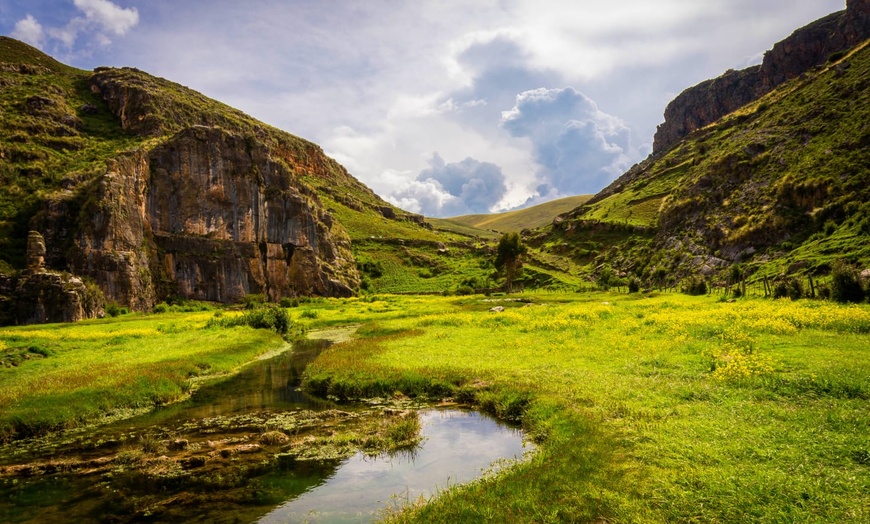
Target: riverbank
x,y
61,376
648,408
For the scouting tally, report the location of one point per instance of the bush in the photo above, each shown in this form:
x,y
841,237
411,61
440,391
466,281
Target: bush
x,y
823,291
695,286
788,288
161,308
113,310
633,285
264,317
846,283
254,300
309,313
465,290
836,57
289,302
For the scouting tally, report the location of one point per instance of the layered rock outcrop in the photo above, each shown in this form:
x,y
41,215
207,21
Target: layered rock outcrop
x,y
206,215
38,296
804,49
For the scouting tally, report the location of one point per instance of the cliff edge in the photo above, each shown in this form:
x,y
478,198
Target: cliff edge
x,y
806,48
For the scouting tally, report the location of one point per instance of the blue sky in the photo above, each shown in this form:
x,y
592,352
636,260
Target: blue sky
x,y
442,107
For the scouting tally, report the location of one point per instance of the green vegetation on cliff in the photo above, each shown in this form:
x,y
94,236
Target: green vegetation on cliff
x,y
780,186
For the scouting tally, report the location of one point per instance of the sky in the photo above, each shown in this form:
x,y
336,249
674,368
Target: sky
x,y
442,107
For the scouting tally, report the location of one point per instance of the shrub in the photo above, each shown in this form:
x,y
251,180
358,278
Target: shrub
x,y
788,288
465,290
836,57
113,310
289,302
264,317
694,286
253,300
309,313
633,285
846,283
824,291
161,308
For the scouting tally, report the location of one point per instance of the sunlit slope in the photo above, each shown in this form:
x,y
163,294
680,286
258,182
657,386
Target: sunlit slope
x,y
784,180
510,221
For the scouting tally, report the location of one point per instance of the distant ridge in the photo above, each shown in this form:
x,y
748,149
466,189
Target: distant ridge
x,y
509,221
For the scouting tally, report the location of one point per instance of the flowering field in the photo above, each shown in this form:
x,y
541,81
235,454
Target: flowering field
x,y
645,408
62,375
648,409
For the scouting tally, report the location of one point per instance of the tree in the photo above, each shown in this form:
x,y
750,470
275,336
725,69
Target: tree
x,y
508,260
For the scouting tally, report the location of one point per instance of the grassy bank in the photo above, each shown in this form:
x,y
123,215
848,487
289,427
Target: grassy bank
x,y
63,375
648,409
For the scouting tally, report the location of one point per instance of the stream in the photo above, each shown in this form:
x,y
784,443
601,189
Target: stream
x,y
251,447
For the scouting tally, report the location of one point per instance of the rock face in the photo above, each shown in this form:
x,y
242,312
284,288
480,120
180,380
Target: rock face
x,y
54,297
804,49
37,296
206,215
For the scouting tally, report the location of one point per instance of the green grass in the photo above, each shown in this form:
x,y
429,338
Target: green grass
x,y
63,375
647,409
779,182
422,268
510,221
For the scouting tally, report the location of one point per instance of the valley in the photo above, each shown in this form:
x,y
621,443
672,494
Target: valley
x,y
206,318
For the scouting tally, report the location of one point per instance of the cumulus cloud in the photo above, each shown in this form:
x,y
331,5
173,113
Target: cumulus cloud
x,y
108,16
29,30
457,188
98,19
578,147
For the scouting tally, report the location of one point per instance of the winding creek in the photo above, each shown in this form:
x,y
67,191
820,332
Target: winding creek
x,y
248,448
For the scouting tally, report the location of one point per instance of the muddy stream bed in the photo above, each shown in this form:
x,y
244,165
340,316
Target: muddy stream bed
x,y
249,448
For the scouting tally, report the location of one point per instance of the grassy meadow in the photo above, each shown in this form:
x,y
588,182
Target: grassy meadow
x,y
57,376
645,408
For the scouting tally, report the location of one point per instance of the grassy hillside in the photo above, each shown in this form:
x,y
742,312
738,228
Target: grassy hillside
x,y
50,139
492,225
781,186
57,132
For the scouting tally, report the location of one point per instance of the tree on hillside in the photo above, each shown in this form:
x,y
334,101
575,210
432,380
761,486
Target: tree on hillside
x,y
508,260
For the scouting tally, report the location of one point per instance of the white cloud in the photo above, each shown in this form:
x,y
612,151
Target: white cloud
x,y
29,30
109,16
578,147
476,187
100,17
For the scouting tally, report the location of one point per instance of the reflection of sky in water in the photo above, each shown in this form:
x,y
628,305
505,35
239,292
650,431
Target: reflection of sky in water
x,y
458,446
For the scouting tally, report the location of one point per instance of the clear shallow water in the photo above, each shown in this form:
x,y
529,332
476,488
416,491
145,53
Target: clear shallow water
x,y
458,447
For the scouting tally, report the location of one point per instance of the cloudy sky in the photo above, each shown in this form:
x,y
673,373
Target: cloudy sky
x,y
442,107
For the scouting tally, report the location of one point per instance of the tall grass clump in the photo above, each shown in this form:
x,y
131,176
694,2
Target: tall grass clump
x,y
846,283
264,317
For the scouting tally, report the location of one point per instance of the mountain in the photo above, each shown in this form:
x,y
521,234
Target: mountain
x,y
494,224
779,186
150,191
806,48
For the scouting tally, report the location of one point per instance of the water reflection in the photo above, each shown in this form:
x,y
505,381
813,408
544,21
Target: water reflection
x,y
458,447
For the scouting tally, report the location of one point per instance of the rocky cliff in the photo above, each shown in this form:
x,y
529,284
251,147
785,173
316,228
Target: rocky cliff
x,y
38,296
806,48
156,191
208,215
